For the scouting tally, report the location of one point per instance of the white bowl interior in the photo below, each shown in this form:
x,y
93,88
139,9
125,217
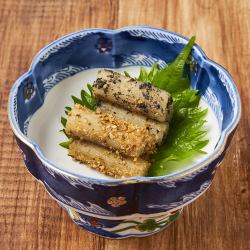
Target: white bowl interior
x,y
45,124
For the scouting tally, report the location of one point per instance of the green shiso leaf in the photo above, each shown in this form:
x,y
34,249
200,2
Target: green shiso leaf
x,y
77,100
63,121
153,72
90,88
145,76
68,108
171,77
187,99
186,132
66,144
63,130
87,100
126,74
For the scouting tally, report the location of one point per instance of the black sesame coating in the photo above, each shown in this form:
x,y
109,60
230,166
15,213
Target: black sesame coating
x,y
117,95
145,85
98,103
146,95
149,103
157,105
106,89
99,83
142,107
114,77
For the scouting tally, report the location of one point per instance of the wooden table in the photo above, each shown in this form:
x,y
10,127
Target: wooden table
x,y
29,219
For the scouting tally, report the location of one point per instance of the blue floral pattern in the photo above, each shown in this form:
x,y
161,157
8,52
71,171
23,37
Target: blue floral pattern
x,y
28,91
104,45
122,228
116,201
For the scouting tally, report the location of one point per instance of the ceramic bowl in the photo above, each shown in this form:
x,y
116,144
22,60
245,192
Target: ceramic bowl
x,y
137,206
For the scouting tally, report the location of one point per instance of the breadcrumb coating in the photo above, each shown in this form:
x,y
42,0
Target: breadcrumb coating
x,y
107,161
108,130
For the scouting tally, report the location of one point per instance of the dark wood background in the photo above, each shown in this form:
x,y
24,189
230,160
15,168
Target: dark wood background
x,y
29,219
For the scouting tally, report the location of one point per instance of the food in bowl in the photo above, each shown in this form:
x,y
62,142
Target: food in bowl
x,y
120,127
126,207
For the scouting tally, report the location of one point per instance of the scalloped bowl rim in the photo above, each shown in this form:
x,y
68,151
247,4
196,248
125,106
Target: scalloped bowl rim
x,y
37,150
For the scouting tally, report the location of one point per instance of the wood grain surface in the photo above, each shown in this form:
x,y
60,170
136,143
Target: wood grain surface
x,y
29,219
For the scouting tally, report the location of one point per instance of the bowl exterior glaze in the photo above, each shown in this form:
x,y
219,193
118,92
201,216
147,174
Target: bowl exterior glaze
x,y
136,206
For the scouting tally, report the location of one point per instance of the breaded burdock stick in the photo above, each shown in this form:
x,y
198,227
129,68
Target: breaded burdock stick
x,y
157,130
107,130
107,161
133,95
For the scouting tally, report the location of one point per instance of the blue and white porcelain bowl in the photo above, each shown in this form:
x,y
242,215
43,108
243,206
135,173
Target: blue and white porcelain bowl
x,y
137,206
